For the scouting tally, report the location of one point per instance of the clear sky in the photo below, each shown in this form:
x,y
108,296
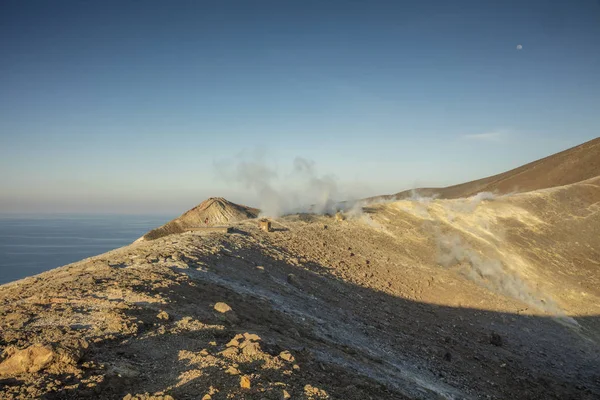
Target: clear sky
x,y
127,106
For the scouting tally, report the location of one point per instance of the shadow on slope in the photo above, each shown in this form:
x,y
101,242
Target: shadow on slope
x,y
351,341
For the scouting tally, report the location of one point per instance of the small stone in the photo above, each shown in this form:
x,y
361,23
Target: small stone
x,y
163,315
206,397
232,371
260,267
252,336
244,382
227,312
230,351
29,360
292,280
496,339
251,348
222,307
286,395
287,356
313,391
212,390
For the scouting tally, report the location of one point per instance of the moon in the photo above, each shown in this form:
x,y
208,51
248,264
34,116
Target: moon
x,y
519,47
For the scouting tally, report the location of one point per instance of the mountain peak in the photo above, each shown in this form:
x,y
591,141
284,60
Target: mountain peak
x,y
213,211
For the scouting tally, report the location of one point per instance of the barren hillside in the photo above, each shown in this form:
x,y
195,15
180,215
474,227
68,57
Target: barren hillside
x,y
481,297
570,166
466,298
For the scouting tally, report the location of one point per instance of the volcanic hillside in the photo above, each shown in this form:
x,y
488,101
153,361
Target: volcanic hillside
x,y
569,166
470,298
212,212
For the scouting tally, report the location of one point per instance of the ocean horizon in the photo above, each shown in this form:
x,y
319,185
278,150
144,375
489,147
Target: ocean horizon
x,y
34,243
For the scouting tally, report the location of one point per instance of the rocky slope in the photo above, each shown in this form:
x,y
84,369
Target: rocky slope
x,y
481,297
469,298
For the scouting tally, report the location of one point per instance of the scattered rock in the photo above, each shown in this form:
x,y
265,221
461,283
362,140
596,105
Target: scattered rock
x,y
313,392
286,395
250,348
230,351
287,356
252,337
30,360
222,307
123,371
232,371
228,313
147,396
293,280
163,315
496,339
244,382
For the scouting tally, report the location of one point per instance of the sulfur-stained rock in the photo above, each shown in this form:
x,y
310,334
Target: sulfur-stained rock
x,y
232,371
222,307
230,351
163,315
251,336
29,360
287,356
227,312
250,348
244,382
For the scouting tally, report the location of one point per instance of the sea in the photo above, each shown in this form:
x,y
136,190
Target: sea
x,y
30,244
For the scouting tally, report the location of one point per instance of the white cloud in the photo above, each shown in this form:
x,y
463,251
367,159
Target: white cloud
x,y
494,136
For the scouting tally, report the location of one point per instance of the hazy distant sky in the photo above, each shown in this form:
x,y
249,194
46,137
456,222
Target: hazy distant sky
x,y
125,106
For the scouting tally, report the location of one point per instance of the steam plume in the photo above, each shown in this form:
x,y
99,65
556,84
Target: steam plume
x,y
299,189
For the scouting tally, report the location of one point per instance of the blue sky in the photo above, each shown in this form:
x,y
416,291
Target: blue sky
x,y
126,106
